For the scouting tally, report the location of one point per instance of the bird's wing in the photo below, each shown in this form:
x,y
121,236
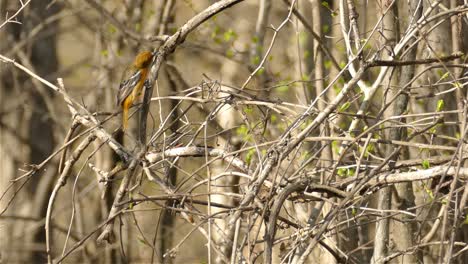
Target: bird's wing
x,y
128,83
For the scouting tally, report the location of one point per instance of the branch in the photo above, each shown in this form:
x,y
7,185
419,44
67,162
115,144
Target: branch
x,y
154,157
61,182
396,63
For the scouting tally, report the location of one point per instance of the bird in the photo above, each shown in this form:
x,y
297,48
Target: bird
x,y
132,83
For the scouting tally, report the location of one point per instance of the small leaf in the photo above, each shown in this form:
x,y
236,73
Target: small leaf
x,y
138,27
440,105
425,164
444,76
458,85
341,172
345,107
248,157
215,32
229,35
141,240
229,53
335,146
273,118
242,130
429,193
256,60
282,88
255,39
325,28
112,29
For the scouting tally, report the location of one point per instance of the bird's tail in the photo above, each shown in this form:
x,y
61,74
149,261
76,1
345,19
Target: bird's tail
x,y
125,109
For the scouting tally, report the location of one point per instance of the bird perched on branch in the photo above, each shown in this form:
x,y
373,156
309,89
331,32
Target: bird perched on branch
x,y
132,83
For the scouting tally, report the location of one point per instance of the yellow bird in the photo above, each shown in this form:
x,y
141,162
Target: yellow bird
x,y
132,83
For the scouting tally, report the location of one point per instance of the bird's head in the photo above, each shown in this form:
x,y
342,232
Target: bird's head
x,y
143,59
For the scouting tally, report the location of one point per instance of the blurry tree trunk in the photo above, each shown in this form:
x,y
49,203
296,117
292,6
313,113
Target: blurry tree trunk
x,y
326,154
104,99
403,231
460,44
390,35
304,60
41,55
305,54
164,16
13,144
167,218
28,129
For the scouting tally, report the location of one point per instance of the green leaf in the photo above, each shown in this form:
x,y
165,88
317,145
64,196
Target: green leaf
x,y
335,146
229,53
282,88
242,130
444,76
345,107
342,172
370,148
141,240
229,35
457,85
273,118
255,39
429,193
255,60
215,32
425,164
325,28
440,105
248,157
112,29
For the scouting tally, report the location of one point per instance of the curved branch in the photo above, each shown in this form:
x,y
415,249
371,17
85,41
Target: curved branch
x,y
279,201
